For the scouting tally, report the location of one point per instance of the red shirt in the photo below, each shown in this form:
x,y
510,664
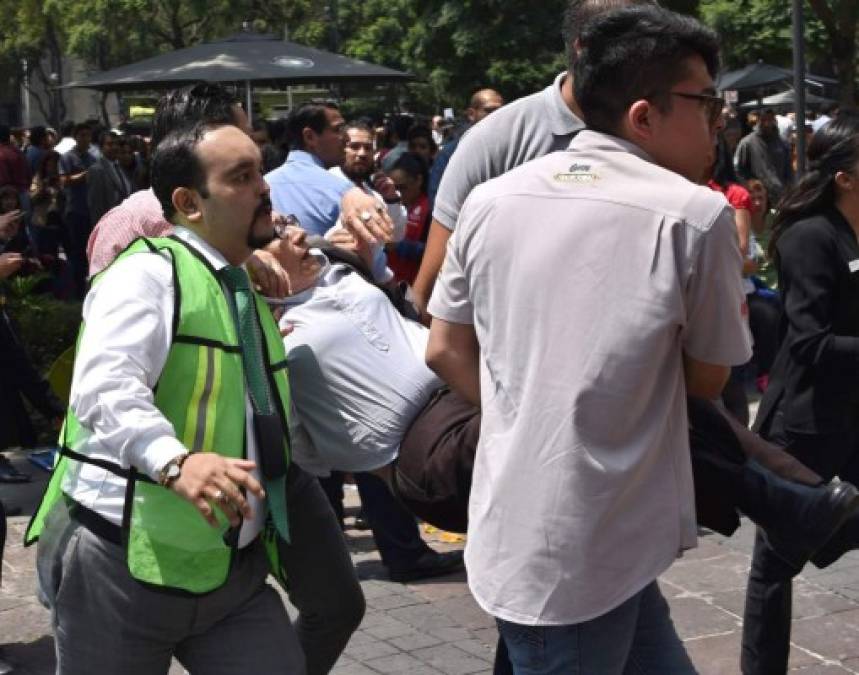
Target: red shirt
x,y
13,168
737,195
405,268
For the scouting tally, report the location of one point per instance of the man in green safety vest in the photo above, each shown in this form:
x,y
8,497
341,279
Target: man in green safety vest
x,y
175,463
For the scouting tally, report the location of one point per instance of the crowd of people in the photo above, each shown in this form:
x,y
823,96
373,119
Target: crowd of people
x,y
537,327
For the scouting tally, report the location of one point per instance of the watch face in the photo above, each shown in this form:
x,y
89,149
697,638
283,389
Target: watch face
x,y
173,471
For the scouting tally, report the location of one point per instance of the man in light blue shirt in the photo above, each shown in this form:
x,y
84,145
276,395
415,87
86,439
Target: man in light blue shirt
x,y
303,186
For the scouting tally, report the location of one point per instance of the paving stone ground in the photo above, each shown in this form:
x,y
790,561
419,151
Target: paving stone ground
x,y
434,627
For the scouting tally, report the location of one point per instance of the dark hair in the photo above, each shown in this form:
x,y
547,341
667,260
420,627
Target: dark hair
x,y
67,127
579,12
400,125
123,141
80,126
5,133
50,154
421,131
834,148
38,135
199,102
415,166
175,164
104,133
723,168
312,115
10,190
636,53
359,126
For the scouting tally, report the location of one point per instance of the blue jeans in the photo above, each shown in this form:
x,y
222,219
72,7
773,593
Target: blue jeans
x,y
636,638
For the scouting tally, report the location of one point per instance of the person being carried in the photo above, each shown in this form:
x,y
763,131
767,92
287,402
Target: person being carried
x,y
366,402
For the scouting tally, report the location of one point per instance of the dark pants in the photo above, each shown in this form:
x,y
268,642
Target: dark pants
x,y
764,316
433,472
2,537
394,528
77,230
769,595
436,461
220,632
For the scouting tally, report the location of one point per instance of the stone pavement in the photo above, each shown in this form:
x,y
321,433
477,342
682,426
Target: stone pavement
x,y
435,628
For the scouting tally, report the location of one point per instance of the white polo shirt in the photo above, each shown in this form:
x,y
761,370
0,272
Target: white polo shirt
x,y
587,273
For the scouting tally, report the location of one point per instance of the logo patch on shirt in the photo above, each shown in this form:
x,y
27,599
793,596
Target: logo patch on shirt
x,y
577,173
854,265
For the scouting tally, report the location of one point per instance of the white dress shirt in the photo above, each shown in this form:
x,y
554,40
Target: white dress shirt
x,y
128,316
358,372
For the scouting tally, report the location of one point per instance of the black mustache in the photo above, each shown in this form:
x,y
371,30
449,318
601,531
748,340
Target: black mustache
x,y
265,206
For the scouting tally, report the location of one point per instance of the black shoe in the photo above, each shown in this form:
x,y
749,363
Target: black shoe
x,y
6,668
430,564
844,540
796,519
9,474
361,522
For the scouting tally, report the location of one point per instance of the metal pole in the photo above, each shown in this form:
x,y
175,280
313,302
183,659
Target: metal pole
x,y
249,101
799,85
25,93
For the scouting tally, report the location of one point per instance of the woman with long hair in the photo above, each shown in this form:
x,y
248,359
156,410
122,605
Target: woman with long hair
x,y
812,404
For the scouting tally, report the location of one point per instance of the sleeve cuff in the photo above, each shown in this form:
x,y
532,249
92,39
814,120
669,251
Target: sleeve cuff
x,y
154,456
463,314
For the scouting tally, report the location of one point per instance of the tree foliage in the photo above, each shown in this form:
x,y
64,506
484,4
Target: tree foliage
x,y
761,29
452,46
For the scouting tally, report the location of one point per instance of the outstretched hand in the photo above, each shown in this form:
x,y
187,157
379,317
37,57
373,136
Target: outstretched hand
x,y
365,217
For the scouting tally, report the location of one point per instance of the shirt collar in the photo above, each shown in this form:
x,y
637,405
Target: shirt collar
x,y
303,157
214,257
592,140
561,119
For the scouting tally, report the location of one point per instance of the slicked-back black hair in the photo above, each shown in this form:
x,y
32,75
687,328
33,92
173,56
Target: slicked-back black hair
x,y
175,164
309,115
199,102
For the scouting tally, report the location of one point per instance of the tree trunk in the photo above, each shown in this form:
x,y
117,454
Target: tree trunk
x,y
55,57
840,19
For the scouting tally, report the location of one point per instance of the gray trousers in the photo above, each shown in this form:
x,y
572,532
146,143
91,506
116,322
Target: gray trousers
x,y
106,622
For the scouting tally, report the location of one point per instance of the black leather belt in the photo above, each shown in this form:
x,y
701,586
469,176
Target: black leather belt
x,y
99,526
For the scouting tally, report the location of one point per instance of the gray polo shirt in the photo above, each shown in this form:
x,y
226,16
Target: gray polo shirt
x,y
523,130
587,273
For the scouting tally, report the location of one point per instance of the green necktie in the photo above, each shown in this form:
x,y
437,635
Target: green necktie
x,y
247,326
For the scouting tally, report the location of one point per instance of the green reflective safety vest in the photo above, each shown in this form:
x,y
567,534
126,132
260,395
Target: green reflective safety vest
x,y
201,392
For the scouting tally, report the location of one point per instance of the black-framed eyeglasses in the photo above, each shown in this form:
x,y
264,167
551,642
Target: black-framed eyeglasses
x,y
287,221
712,103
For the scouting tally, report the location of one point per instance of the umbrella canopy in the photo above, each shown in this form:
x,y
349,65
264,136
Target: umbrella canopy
x,y
759,75
244,57
787,99
754,76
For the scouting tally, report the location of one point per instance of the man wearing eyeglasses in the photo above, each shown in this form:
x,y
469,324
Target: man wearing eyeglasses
x,y
582,492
